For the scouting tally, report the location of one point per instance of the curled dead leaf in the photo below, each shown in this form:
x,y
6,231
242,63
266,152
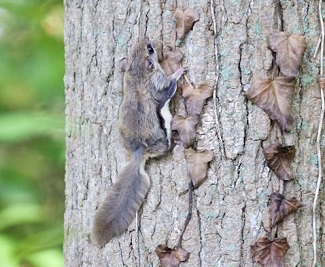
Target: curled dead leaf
x,y
270,253
197,164
289,50
171,257
278,159
281,207
274,96
185,126
185,21
172,61
195,97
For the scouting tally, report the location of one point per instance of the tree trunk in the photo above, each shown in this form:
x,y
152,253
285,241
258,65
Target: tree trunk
x,y
231,206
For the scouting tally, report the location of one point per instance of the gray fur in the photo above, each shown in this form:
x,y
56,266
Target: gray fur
x,y
146,92
126,196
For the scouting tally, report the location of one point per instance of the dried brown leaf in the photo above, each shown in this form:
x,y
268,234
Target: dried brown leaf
x,y
289,50
281,207
190,17
270,253
195,97
171,257
172,61
185,21
278,159
185,126
274,96
197,164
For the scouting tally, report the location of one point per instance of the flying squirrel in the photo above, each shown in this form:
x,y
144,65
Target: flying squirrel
x,y
144,126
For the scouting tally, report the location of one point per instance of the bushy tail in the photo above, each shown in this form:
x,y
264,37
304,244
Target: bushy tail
x,y
118,210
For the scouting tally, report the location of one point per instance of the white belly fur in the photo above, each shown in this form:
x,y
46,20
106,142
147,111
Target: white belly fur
x,y
167,116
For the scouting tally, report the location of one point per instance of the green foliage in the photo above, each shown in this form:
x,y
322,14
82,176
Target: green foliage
x,y
27,125
31,133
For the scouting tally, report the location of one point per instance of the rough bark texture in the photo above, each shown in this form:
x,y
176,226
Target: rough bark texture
x,y
232,204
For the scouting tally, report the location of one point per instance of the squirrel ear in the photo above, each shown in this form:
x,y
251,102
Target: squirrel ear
x,y
149,64
122,64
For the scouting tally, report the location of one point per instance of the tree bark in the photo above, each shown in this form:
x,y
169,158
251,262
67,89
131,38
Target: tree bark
x,y
231,206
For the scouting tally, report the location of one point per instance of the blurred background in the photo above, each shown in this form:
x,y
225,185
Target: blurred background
x,y
31,133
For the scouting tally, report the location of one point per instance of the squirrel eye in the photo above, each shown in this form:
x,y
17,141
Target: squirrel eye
x,y
149,64
150,48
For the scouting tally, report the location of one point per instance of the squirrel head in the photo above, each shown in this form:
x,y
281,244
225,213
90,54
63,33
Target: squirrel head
x,y
143,59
